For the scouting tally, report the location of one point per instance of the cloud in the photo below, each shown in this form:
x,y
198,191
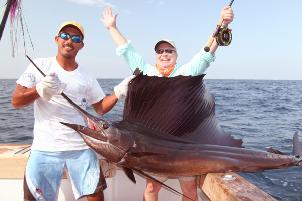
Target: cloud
x,y
101,3
160,3
156,2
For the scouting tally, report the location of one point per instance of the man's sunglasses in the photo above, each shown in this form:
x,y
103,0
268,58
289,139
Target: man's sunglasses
x,y
74,38
168,51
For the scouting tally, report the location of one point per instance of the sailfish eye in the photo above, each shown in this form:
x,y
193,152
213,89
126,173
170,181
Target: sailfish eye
x,y
105,126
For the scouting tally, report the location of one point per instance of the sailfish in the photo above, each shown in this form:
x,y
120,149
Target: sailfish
x,y
169,128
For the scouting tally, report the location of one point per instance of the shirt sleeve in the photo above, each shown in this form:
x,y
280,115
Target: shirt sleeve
x,y
28,77
133,59
198,64
95,92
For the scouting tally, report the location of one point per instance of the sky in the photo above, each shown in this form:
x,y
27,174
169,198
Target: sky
x,y
265,45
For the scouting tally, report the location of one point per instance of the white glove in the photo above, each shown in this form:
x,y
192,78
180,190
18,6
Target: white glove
x,y
121,89
49,86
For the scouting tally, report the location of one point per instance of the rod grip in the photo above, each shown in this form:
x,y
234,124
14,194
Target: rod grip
x,y
212,37
209,44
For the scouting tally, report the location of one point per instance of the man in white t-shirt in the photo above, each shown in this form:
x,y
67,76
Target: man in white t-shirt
x,y
55,146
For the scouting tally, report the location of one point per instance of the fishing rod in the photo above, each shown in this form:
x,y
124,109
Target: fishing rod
x,y
9,4
222,34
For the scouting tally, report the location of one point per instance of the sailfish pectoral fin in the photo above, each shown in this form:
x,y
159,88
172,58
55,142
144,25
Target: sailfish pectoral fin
x,y
129,174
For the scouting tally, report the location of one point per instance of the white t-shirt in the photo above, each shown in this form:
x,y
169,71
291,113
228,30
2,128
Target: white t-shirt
x,y
82,89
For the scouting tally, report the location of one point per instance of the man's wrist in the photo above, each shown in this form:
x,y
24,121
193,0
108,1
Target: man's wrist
x,y
223,24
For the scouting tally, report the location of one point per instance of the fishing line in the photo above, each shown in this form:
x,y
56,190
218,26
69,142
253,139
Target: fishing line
x,y
25,149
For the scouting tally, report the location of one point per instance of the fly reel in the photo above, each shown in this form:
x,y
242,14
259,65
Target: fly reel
x,y
223,36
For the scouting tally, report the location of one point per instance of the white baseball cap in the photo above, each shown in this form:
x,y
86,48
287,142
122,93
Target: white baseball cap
x,y
164,41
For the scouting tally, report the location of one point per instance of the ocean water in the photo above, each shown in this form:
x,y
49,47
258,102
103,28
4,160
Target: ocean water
x,y
263,113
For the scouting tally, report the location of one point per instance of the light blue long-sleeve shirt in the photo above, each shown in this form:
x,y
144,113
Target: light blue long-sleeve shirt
x,y
196,66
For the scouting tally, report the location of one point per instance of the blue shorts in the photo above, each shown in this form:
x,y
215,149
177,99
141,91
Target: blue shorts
x,y
44,171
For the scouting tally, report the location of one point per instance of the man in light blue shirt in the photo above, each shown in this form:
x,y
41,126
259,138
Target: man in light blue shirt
x,y
166,56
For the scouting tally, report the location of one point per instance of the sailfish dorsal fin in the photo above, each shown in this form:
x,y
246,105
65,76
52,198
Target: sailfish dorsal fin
x,y
179,106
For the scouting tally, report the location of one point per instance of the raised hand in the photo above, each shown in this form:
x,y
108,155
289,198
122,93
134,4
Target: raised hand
x,y
227,15
109,20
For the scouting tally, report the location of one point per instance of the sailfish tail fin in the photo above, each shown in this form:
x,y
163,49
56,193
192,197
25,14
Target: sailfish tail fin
x,y
297,149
